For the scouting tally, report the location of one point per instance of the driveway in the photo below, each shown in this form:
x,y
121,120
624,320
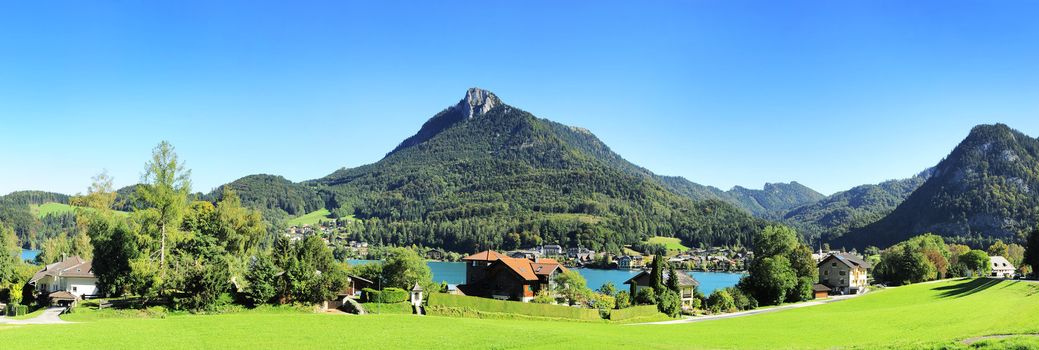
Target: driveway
x,y
49,316
693,319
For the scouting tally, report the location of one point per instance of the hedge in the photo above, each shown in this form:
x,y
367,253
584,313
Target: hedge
x,y
388,295
458,305
388,308
17,310
633,312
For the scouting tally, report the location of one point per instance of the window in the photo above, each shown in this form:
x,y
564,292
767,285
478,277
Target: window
x,y
73,288
833,264
840,273
827,272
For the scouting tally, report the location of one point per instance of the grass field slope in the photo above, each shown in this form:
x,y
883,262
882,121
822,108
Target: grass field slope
x,y
932,315
53,208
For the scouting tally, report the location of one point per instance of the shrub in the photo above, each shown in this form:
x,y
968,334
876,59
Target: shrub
x,y
721,301
544,297
623,300
17,310
645,296
741,300
388,295
388,308
669,303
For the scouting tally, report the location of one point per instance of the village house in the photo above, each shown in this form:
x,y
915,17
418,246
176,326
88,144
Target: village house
x,y
686,284
552,250
580,253
489,274
65,282
844,273
1001,268
353,289
525,254
630,262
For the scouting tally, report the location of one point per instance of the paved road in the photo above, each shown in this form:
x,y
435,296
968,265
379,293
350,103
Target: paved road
x,y
693,319
49,316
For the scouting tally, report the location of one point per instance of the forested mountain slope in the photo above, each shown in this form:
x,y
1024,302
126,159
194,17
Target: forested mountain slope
x,y
485,174
841,212
984,190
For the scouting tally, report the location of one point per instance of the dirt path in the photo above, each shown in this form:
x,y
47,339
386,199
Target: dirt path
x,y
49,316
970,341
693,319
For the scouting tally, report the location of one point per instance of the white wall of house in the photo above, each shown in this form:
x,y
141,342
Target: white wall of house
x,y
76,285
80,286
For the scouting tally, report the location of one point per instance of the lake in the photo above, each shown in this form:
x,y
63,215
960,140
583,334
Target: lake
x,y
454,273
30,254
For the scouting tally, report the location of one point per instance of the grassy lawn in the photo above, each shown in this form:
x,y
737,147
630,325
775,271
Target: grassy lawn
x,y
924,315
672,244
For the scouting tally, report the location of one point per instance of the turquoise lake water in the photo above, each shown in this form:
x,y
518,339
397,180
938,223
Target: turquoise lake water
x,y
30,254
454,273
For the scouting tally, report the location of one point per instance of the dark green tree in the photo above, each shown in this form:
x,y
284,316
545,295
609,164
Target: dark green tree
x,y
1032,251
656,273
977,262
263,281
672,280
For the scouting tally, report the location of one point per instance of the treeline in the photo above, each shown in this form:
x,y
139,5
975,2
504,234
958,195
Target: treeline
x,y
832,217
184,253
31,230
928,257
274,195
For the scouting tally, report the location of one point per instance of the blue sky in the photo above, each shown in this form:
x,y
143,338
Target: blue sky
x,y
831,94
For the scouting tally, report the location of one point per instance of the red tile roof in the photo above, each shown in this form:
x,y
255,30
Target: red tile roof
x,y
487,255
522,267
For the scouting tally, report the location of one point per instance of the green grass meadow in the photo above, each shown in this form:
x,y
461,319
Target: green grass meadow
x,y
53,208
932,315
671,243
314,217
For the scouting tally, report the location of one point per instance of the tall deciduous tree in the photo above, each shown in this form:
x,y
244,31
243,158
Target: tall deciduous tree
x,y
166,187
782,269
998,249
977,261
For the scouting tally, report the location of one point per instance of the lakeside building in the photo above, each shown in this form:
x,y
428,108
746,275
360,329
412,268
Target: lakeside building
x,y
489,274
630,262
686,284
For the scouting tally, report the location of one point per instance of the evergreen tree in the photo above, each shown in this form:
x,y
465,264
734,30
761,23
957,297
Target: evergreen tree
x,y
656,273
672,280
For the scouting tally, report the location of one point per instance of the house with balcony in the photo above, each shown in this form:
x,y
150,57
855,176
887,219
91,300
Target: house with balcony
x,y
65,282
844,273
686,284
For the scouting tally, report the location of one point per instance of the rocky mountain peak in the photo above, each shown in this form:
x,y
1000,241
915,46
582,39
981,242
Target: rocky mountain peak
x,y
478,101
